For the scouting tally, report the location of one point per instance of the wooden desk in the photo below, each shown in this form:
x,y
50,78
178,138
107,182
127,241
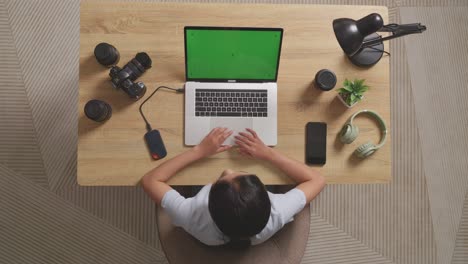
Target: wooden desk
x,y
114,153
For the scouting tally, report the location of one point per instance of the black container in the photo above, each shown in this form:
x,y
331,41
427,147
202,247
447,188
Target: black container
x,y
106,54
97,110
325,80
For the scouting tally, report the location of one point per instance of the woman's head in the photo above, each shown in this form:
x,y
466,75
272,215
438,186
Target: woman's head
x,y
239,205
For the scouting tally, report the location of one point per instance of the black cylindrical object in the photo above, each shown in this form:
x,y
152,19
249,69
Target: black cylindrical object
x,y
325,80
369,24
106,54
98,110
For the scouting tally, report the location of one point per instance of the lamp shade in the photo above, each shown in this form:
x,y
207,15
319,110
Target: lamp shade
x,y
351,33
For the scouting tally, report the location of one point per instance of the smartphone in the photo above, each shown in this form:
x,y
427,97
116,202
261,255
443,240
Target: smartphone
x,y
316,143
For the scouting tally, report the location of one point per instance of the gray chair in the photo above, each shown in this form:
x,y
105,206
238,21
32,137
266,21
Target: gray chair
x,y
286,246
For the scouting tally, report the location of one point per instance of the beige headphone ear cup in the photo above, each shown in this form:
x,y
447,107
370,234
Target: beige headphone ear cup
x,y
365,150
348,133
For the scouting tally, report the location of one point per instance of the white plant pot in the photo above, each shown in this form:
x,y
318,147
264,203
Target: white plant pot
x,y
346,104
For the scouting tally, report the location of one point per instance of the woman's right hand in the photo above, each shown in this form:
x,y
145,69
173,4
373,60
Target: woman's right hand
x,y
251,145
212,143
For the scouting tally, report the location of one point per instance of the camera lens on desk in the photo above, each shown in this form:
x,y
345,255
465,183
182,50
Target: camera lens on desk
x,y
325,80
106,54
97,110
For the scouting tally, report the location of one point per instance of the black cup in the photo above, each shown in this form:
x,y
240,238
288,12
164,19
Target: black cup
x,y
106,54
325,80
97,110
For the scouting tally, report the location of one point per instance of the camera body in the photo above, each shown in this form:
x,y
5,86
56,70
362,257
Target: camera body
x,y
121,79
124,78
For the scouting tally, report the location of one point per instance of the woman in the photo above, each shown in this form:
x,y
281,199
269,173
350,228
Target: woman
x,y
236,209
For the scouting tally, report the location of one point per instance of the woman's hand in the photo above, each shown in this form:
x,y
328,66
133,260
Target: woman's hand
x,y
212,143
251,145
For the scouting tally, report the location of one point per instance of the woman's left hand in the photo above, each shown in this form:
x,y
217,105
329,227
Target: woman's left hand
x,y
212,143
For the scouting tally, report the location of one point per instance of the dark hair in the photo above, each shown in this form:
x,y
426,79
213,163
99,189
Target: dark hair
x,y
240,208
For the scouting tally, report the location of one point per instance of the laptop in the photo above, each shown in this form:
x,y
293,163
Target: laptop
x,y
231,75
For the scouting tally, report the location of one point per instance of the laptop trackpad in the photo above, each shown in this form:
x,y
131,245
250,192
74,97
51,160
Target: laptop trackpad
x,y
235,124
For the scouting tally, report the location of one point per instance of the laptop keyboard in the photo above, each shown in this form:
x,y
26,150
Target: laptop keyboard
x,y
230,102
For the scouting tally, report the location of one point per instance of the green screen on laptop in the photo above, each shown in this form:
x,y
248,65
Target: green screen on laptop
x,y
250,54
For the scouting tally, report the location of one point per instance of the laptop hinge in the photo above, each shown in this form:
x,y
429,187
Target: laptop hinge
x,y
231,81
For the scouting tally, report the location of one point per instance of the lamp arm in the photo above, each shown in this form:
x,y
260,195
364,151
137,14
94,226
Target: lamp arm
x,y
397,31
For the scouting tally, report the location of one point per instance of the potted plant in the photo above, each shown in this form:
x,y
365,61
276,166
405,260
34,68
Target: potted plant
x,y
352,92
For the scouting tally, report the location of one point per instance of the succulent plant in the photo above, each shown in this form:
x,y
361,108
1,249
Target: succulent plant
x,y
352,91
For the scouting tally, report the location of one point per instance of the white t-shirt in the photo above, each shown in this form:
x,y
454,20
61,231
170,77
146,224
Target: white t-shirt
x,y
192,214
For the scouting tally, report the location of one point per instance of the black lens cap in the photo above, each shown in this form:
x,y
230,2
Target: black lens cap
x,y
144,59
325,80
106,54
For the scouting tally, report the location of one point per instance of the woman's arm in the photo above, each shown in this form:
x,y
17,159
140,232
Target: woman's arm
x,y
309,180
154,182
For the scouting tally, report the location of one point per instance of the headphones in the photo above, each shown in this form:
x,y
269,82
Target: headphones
x,y
349,133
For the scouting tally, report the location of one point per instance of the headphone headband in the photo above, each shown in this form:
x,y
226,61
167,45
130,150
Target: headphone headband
x,y
383,127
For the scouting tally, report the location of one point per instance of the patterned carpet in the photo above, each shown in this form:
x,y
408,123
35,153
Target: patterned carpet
x,y
45,217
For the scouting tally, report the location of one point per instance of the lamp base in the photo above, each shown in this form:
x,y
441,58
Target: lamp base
x,y
369,56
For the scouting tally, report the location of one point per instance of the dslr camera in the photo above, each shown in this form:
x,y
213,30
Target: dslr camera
x,y
124,78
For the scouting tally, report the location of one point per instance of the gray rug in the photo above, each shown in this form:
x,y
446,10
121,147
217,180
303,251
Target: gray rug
x,y
389,223
19,149
39,227
438,65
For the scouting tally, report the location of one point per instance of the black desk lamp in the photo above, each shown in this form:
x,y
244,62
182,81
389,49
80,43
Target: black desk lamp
x,y
359,41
